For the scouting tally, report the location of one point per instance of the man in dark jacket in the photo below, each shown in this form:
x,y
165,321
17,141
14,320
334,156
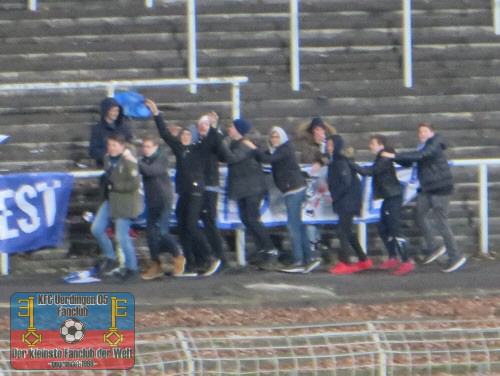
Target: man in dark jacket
x,y
436,186
158,194
247,187
112,122
346,192
386,186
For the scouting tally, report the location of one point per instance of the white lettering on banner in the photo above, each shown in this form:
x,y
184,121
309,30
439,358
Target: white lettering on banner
x,y
21,197
27,225
49,200
5,232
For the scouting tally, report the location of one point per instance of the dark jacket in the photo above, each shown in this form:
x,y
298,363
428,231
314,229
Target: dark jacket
x,y
385,182
123,183
343,182
310,151
245,176
190,159
212,176
286,171
156,181
433,170
102,130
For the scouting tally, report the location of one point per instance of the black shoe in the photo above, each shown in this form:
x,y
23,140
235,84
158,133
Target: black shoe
x,y
269,259
440,251
296,267
127,275
105,266
212,268
312,265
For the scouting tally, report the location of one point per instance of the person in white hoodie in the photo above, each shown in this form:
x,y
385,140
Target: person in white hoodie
x,y
289,179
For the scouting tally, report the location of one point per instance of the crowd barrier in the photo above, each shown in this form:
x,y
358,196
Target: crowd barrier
x,y
26,208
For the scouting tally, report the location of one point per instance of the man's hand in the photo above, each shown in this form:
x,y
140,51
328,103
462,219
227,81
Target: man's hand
x,y
250,144
127,154
214,119
386,154
152,107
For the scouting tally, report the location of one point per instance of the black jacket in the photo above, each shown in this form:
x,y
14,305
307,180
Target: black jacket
x,y
343,182
385,182
190,159
245,176
102,130
156,181
433,170
286,171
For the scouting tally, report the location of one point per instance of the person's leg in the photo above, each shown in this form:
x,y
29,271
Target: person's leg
x,y
122,232
296,230
343,230
440,206
250,216
353,240
184,237
209,219
98,229
423,207
153,234
384,229
167,243
201,247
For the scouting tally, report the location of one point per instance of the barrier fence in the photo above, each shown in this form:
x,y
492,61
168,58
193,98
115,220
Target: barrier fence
x,y
378,348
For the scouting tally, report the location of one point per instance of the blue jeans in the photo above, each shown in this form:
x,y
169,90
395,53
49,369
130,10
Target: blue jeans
x,y
122,227
301,249
158,232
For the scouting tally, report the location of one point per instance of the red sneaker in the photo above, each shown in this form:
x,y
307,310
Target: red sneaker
x,y
343,268
364,265
390,263
404,268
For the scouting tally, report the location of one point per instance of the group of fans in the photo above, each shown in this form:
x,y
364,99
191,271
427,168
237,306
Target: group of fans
x,y
198,149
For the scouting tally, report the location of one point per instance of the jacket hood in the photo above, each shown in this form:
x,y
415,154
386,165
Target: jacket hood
x,y
338,145
283,138
436,139
106,105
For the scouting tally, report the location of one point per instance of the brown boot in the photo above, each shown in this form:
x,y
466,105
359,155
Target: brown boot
x,y
154,271
179,265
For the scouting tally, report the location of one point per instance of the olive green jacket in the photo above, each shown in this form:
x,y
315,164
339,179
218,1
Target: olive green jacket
x,y
124,188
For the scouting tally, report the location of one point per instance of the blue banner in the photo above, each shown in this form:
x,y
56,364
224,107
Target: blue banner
x,y
33,210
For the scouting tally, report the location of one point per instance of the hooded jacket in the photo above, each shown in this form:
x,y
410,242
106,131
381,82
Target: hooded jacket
x,y
156,180
433,170
385,182
310,151
101,131
190,159
343,182
286,171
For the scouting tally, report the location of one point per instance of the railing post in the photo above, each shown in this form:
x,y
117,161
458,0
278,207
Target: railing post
x,y
495,7
149,3
192,61
235,100
294,45
4,263
407,45
483,209
240,247
32,5
110,90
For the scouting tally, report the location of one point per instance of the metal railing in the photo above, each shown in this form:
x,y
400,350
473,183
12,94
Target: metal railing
x,y
112,85
425,347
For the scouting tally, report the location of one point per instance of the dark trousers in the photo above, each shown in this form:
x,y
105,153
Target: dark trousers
x,y
209,218
249,208
193,240
436,206
389,226
158,234
348,238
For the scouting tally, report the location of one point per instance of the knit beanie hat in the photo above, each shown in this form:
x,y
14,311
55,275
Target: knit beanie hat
x,y
242,126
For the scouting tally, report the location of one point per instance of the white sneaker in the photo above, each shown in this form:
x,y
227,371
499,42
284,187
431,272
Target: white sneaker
x,y
435,255
455,265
